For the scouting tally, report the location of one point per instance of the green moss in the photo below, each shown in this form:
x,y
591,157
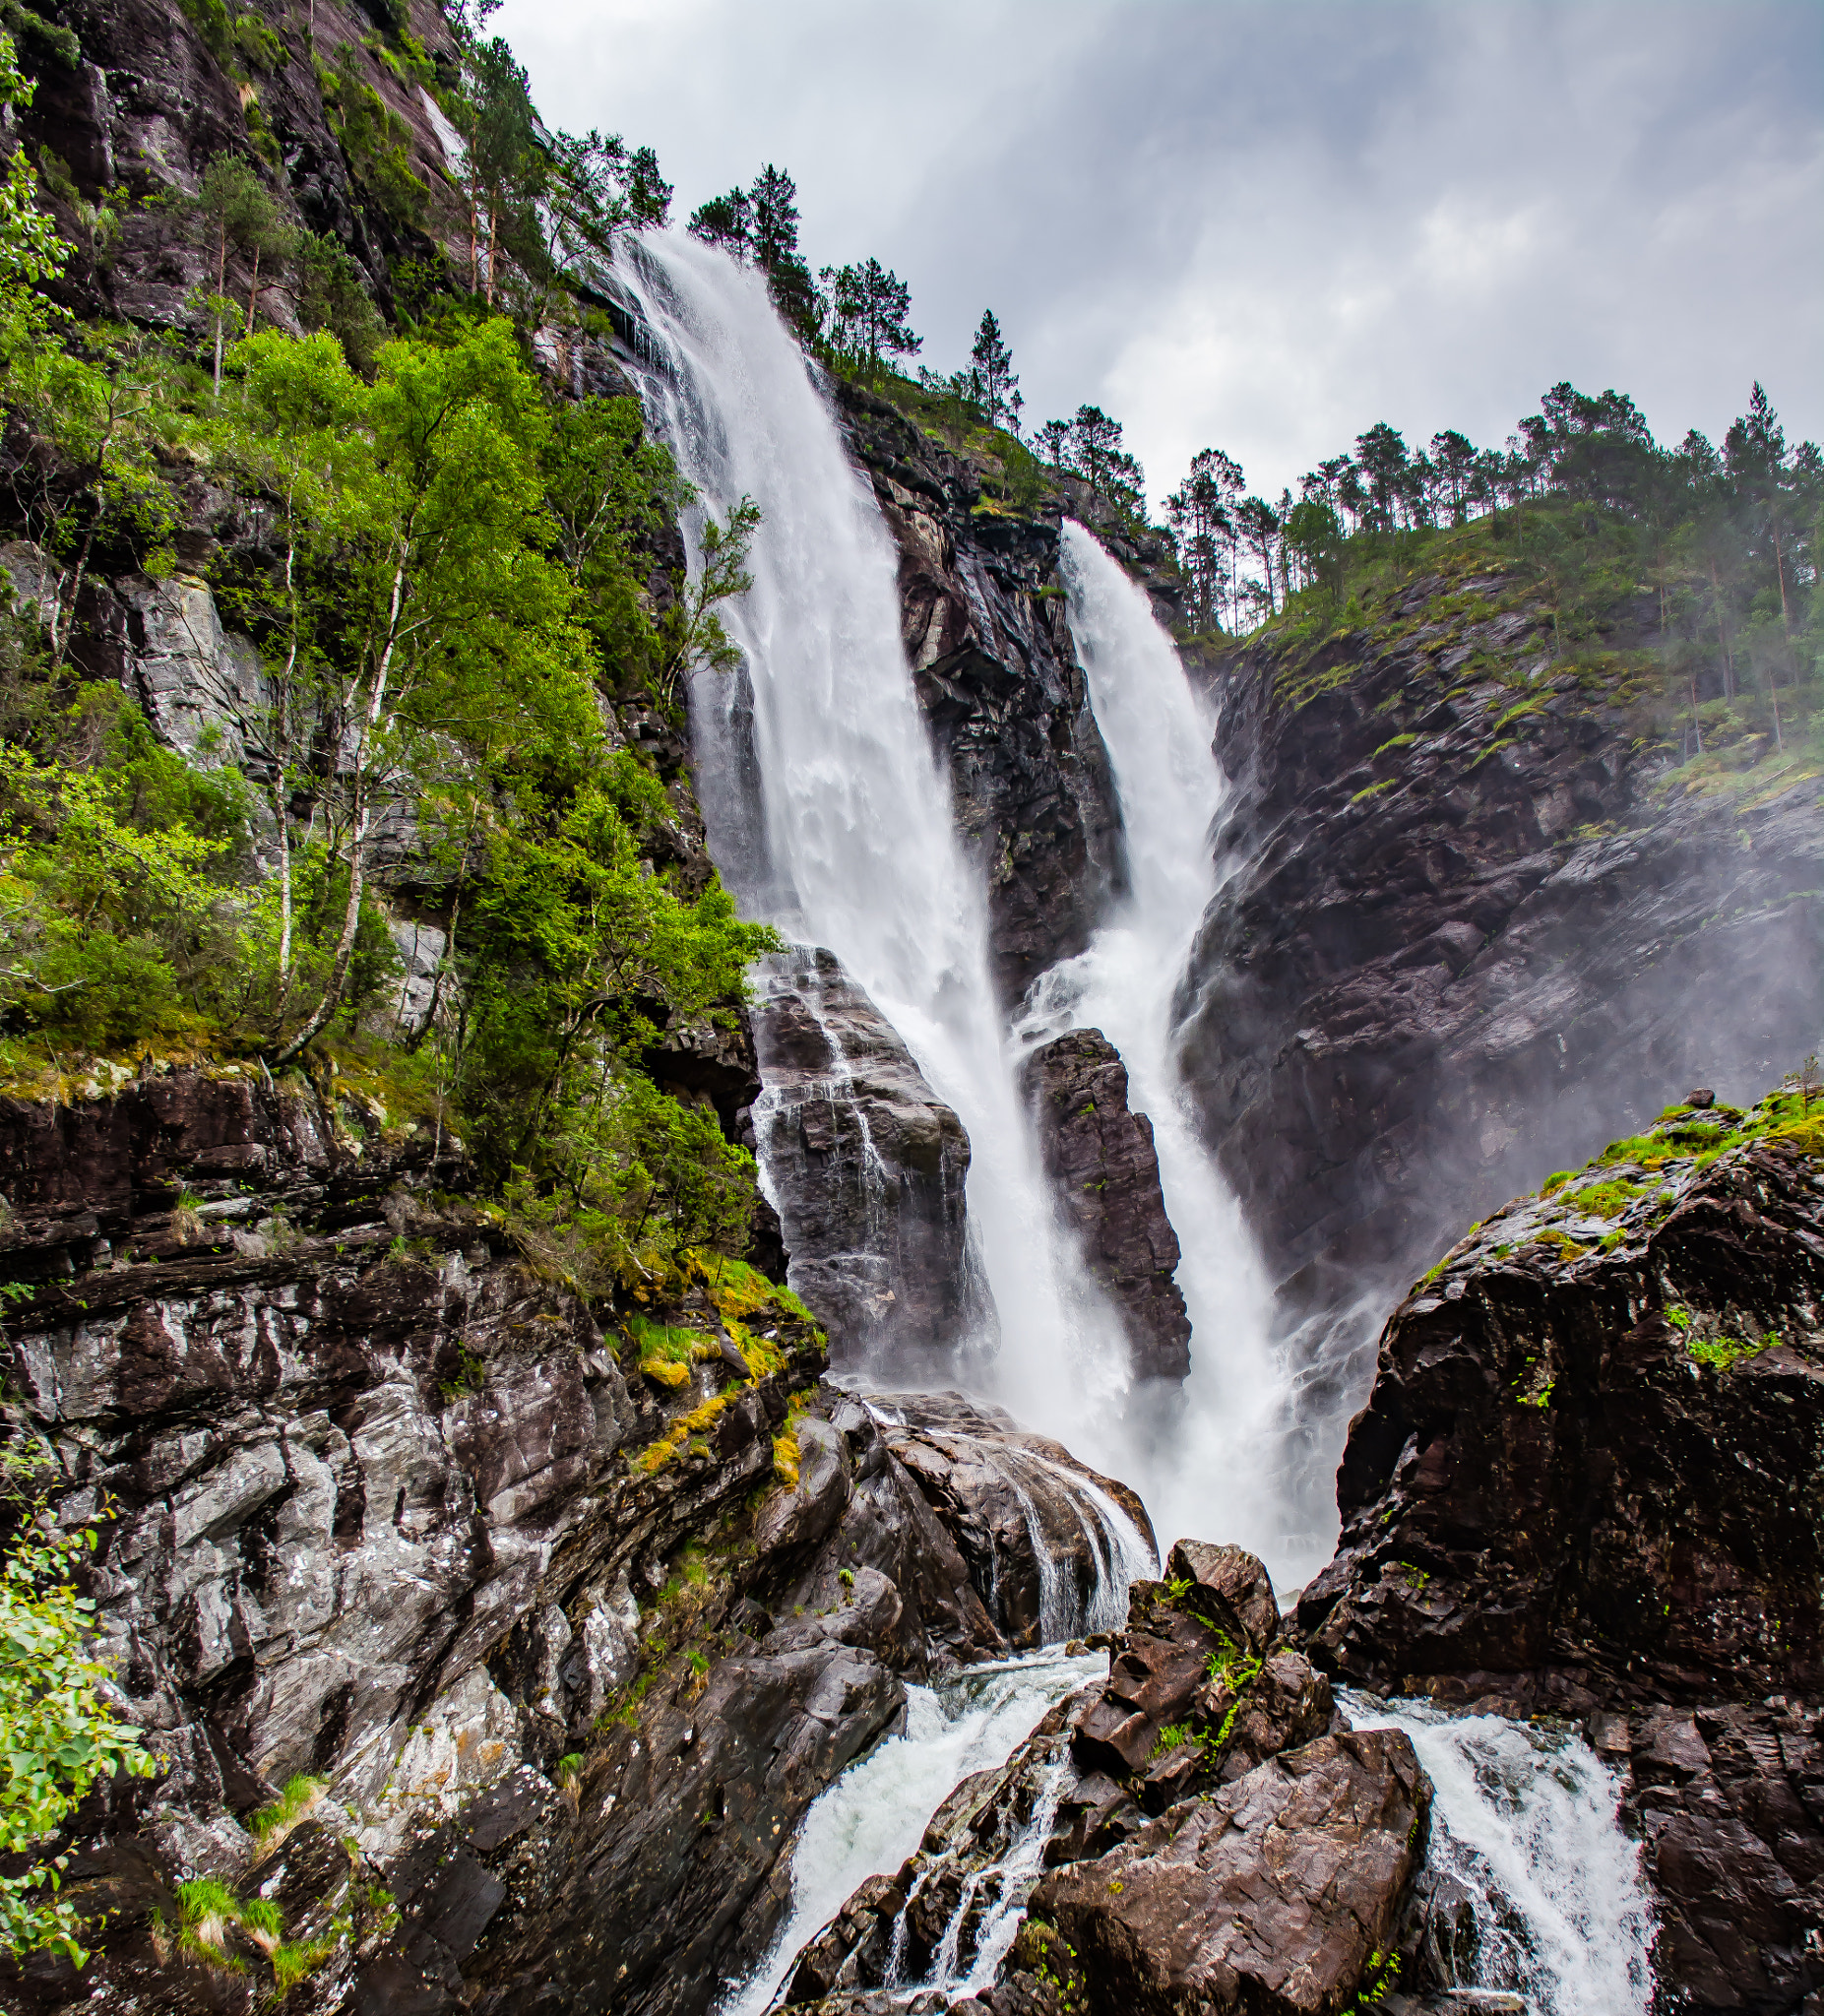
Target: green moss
x,y
1720,1353
1608,1199
1395,742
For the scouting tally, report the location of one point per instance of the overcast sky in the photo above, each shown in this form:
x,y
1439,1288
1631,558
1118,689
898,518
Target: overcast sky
x,y
1264,226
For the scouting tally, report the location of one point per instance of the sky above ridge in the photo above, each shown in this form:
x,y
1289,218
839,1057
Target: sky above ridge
x,y
1265,226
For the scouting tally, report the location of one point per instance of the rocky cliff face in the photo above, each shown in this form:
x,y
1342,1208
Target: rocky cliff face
x,y
150,100
522,1595
1582,1485
1474,929
867,1168
1105,1171
997,675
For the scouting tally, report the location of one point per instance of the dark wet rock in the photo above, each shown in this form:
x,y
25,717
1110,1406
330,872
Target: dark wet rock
x,y
1026,1514
867,1167
1104,1173
1730,1803
997,676
676,1864
1476,930
1580,1449
1193,1697
1229,1587
671,1874
1271,1896
1573,1492
1075,1791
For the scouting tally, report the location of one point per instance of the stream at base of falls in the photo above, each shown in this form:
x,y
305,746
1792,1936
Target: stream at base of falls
x,y
873,1816
1524,1818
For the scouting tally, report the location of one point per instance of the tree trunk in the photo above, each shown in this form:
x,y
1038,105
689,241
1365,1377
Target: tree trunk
x,y
63,623
221,285
253,289
358,838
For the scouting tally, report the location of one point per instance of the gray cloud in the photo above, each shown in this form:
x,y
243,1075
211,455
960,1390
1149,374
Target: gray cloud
x,y
1267,226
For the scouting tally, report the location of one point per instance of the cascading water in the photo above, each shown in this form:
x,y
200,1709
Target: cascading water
x,y
1525,1819
853,846
1210,1463
871,1818
828,815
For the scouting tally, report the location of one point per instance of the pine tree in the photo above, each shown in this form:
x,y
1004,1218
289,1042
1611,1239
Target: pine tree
x,y
774,200
726,221
1198,512
869,306
1382,457
992,364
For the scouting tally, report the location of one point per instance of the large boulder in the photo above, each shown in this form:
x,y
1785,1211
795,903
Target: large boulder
x,y
1275,1897
1051,1545
1105,1175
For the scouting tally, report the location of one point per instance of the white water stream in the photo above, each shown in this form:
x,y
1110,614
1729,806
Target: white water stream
x,y
854,848
872,1817
1524,1818
829,816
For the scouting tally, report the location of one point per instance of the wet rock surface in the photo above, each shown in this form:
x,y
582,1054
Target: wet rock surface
x,y
997,675
1104,1173
1038,1530
1577,1490
867,1167
567,1636
1272,1895
1477,930
1244,1850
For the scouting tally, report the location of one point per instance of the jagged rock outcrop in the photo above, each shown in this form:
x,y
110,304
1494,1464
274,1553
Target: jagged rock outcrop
x,y
1104,1173
1274,1877
1580,1486
997,676
1041,1532
387,1508
867,1166
1474,929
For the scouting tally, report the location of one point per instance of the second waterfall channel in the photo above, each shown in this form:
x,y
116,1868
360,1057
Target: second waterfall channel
x,y
829,817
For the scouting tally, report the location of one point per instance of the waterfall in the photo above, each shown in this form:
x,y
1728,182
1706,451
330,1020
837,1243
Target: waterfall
x,y
852,846
1215,1460
1525,1819
872,1817
829,816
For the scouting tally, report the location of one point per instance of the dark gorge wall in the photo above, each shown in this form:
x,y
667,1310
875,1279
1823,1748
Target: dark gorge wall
x,y
1476,925
997,676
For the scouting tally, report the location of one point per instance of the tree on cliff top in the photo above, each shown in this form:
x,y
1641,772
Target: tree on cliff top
x,y
1089,445
998,384
869,307
761,225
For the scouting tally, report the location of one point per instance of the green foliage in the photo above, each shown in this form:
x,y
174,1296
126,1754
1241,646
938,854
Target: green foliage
x,y
57,1735
373,137
271,1824
1723,1351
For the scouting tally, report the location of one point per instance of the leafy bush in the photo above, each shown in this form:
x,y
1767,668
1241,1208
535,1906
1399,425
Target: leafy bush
x,y
58,1733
